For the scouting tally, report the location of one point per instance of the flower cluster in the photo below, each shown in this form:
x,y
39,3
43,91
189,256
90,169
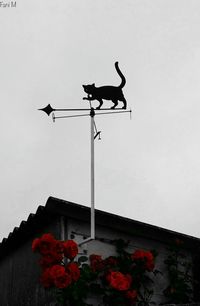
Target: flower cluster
x,y
54,271
145,258
119,281
121,278
122,283
118,278
179,289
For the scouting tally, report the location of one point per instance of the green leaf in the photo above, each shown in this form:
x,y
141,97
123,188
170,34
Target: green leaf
x,y
96,289
82,259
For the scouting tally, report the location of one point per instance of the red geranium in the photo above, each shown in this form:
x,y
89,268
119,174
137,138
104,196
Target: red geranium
x,y
35,244
74,271
43,244
70,249
61,271
46,278
60,277
137,255
50,259
111,261
119,281
146,257
50,249
96,263
131,295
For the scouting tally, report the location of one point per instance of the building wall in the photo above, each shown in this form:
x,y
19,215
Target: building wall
x,y
19,271
19,274
102,246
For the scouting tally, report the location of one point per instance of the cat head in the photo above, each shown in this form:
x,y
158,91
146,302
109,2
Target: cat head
x,y
89,88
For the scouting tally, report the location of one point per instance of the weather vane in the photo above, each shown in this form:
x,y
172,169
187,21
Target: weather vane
x,y
112,93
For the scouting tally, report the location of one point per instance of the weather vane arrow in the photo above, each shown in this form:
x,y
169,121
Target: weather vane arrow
x,y
49,109
113,93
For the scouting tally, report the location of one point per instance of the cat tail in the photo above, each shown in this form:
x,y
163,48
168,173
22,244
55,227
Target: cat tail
x,y
123,82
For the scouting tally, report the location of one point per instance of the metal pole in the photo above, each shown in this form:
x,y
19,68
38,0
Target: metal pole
x,y
92,209
48,110
92,177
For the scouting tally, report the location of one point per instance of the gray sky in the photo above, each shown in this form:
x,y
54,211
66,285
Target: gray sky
x,y
147,168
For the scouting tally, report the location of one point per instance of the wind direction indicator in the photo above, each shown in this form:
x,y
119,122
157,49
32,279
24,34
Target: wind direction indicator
x,y
112,93
93,135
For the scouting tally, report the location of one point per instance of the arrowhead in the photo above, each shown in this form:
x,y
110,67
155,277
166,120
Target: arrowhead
x,y
48,109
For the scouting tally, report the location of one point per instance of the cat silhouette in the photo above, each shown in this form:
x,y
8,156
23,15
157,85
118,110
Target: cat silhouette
x,y
113,93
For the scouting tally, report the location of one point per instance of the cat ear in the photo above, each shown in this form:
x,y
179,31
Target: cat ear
x,y
83,86
93,84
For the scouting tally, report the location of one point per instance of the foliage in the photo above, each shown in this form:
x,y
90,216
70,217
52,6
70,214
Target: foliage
x,y
179,289
124,278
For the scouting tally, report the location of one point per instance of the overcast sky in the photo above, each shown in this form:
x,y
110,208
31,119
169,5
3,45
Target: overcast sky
x,y
147,168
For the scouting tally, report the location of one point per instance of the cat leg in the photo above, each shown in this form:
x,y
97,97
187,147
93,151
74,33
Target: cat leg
x,y
125,104
100,103
115,104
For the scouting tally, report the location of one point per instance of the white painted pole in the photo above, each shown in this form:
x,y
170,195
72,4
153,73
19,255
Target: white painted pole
x,y
92,180
92,209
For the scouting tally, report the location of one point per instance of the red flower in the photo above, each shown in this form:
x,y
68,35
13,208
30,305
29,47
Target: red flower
x,y
96,263
111,261
50,259
149,261
131,295
50,249
70,249
43,244
119,281
60,278
58,247
150,266
137,255
46,278
73,270
35,245
57,276
53,250
145,257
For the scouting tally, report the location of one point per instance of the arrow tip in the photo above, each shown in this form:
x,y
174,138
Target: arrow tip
x,y
48,109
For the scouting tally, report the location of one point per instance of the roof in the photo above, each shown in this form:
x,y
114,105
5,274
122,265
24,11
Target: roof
x,y
54,206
